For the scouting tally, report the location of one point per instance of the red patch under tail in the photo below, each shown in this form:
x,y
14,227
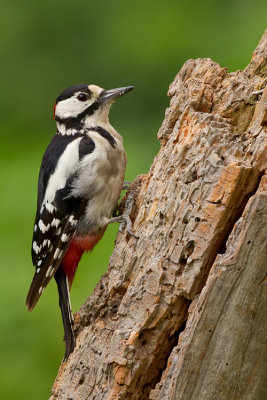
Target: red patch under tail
x,y
77,247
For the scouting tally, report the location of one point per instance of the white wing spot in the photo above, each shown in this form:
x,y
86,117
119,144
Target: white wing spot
x,y
72,221
43,227
50,208
52,271
58,231
38,270
40,290
64,237
56,254
55,222
48,271
36,248
60,254
35,228
39,263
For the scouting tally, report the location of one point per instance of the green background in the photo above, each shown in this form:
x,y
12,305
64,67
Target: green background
x,y
46,47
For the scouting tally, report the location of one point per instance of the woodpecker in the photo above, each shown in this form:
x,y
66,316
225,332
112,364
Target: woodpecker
x,y
80,181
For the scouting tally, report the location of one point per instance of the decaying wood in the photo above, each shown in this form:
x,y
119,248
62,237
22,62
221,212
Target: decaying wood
x,y
181,312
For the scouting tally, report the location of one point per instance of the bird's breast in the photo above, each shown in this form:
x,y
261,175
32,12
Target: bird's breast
x,y
100,180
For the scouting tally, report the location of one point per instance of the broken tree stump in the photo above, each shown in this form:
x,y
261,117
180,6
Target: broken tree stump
x,y
181,312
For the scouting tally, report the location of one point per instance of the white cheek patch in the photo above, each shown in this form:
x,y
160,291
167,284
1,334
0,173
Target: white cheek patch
x,y
71,107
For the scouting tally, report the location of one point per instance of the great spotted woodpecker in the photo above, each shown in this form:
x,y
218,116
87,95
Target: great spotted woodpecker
x,y
80,181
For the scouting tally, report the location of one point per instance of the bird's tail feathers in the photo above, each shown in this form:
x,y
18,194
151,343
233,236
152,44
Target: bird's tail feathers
x,y
65,306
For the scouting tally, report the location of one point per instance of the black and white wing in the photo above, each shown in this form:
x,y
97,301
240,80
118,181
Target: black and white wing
x,y
57,211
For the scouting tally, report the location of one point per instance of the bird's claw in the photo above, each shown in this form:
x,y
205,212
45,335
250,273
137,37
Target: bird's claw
x,y
124,219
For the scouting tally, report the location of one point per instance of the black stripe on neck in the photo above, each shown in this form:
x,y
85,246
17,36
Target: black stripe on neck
x,y
105,134
77,122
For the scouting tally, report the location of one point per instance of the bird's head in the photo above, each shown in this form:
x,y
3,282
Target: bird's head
x,y
83,105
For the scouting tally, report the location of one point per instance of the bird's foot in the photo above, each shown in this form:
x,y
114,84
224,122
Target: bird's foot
x,y
124,219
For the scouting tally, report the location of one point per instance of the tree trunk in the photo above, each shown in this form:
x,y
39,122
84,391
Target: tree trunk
x,y
180,312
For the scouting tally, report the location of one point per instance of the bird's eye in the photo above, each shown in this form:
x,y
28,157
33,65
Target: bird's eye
x,y
82,97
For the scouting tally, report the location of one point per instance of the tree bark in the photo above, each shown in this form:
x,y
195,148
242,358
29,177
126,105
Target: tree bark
x,y
180,312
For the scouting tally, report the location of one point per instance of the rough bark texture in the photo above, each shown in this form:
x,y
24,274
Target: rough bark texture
x,y
180,312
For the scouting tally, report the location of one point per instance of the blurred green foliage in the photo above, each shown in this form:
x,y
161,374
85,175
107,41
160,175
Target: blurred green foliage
x,y
46,47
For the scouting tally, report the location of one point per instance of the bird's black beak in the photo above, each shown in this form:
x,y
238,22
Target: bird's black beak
x,y
114,94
